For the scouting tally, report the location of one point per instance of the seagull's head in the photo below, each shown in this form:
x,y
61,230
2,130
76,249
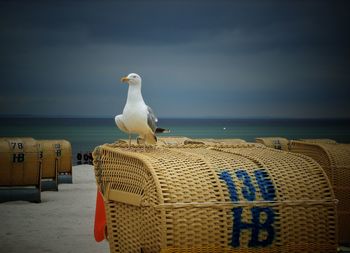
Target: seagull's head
x,y
132,79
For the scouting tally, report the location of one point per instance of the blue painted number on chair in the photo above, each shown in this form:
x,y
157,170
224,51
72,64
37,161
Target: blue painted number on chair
x,y
248,192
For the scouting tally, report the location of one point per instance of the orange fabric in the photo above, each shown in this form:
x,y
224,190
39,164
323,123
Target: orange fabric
x,y
100,218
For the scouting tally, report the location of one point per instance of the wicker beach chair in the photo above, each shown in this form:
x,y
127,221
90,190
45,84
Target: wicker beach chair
x,y
274,142
64,162
20,170
214,198
56,163
335,160
49,165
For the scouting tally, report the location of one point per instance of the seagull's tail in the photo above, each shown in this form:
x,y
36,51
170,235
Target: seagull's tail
x,y
151,138
160,130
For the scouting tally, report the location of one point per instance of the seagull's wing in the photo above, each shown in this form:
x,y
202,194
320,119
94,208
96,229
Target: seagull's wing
x,y
119,121
151,119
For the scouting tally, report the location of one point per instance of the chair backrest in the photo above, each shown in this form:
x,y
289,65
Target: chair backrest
x,y
335,160
56,157
274,142
19,162
214,198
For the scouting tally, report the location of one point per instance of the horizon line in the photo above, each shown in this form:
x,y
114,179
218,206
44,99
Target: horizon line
x,y
20,116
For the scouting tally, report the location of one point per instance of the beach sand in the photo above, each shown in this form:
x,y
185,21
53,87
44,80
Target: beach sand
x,y
63,222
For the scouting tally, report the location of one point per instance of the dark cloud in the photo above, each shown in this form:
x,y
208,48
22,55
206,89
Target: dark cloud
x,y
227,58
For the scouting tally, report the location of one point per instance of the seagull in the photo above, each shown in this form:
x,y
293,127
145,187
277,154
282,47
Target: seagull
x,y
137,118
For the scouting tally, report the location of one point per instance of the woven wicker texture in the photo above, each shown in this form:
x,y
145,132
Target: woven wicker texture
x,y
19,162
214,141
335,160
174,141
48,160
274,142
215,198
56,157
65,160
329,141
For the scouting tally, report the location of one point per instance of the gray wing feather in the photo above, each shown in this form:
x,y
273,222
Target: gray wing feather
x,y
151,119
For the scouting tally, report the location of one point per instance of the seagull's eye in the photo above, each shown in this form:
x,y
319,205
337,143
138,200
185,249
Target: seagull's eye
x,y
134,77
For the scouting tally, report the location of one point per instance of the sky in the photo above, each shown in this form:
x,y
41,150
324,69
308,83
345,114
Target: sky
x,y
197,59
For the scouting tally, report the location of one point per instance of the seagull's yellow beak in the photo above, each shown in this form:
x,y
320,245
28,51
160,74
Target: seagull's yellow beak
x,y
124,79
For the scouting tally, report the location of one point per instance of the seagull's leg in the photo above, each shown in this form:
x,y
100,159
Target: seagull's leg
x,y
129,141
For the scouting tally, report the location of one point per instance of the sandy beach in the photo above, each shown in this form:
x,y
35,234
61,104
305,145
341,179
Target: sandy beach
x,y
63,222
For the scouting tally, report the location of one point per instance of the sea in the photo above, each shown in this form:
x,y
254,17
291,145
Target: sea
x,y
86,133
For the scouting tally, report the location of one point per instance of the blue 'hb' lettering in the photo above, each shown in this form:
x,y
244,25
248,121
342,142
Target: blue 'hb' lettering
x,y
248,191
225,175
265,185
256,226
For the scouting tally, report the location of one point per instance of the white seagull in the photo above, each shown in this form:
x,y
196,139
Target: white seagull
x,y
137,118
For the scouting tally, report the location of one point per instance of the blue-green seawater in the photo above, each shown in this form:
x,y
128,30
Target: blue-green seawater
x,y
87,133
